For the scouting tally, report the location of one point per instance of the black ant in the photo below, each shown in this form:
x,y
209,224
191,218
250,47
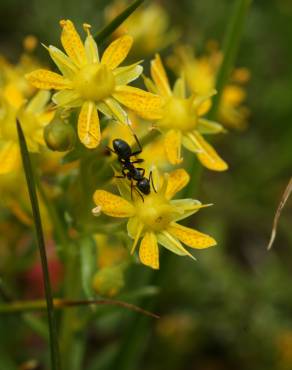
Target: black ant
x,y
124,152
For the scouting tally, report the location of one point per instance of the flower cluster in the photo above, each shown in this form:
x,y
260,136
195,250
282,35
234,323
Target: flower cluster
x,y
92,99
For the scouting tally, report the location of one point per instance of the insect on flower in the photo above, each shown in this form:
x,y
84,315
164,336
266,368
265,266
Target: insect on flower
x,y
155,221
124,152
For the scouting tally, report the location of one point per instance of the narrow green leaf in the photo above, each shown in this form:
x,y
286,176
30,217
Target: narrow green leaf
x,y
55,358
116,22
230,48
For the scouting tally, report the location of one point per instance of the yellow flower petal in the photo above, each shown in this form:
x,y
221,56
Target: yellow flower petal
x,y
150,86
186,207
117,51
172,146
146,104
209,127
133,226
72,43
192,238
206,153
116,110
177,180
9,157
159,76
46,80
67,98
172,244
38,102
91,49
125,75
65,65
202,103
148,251
139,230
204,107
88,125
179,89
113,205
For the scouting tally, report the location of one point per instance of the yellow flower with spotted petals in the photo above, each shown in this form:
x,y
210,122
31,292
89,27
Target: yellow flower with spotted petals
x,y
93,83
155,218
181,119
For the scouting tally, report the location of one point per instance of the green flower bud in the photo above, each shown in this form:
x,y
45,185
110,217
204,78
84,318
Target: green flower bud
x,y
109,281
59,135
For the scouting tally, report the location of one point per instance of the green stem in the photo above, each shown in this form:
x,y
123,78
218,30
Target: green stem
x,y
40,305
54,347
117,21
230,48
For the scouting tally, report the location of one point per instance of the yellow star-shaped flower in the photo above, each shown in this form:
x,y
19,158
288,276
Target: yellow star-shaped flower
x,y
155,218
93,83
181,119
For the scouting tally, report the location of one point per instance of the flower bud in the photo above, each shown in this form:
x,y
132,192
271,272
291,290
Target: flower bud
x,y
59,135
109,281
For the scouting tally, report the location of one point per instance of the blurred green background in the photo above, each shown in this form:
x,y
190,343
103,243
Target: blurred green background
x,y
233,308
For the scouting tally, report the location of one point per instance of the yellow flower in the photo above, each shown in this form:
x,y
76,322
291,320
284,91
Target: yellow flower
x,y
154,219
181,119
33,116
148,24
200,73
93,83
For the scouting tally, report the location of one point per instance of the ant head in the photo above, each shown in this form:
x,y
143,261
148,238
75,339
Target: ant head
x,y
122,148
144,186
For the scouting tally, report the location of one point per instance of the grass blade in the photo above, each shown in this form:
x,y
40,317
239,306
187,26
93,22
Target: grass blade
x,y
116,22
230,48
55,357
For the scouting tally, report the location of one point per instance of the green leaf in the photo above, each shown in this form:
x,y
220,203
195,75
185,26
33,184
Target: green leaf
x,y
88,264
30,180
116,22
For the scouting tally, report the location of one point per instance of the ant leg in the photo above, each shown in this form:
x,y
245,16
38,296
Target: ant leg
x,y
138,192
152,183
139,145
139,160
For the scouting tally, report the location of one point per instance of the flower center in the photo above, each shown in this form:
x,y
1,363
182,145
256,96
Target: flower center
x,y
155,212
94,82
179,114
